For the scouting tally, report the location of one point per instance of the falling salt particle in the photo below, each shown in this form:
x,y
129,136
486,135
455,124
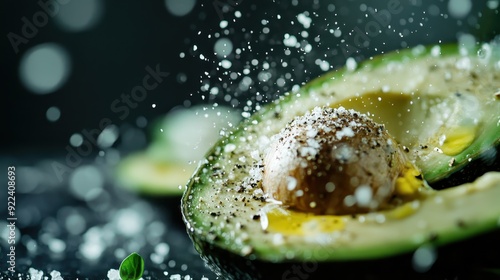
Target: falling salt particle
x,y
35,274
459,8
289,41
226,64
436,51
113,274
223,47
299,193
484,52
351,64
363,195
312,204
237,14
324,65
55,275
223,24
423,258
204,278
175,277
153,105
304,20
291,183
229,148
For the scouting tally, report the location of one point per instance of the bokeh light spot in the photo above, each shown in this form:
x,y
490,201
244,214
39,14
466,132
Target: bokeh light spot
x,y
44,68
180,8
78,16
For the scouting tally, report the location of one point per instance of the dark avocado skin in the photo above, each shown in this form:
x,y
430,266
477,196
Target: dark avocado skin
x,y
469,259
472,170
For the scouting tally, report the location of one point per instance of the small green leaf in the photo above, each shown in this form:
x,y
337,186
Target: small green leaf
x,y
132,267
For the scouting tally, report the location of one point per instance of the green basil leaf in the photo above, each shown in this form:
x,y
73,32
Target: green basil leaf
x,y
132,267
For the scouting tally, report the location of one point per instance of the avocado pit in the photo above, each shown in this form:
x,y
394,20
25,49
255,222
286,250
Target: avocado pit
x,y
337,161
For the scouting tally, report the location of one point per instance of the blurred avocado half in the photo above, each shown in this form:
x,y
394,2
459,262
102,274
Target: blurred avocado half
x,y
180,140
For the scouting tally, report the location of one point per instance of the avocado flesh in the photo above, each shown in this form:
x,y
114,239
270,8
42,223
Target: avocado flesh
x,y
224,207
142,173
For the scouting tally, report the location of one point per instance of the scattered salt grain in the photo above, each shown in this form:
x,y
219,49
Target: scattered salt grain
x,y
363,195
56,275
351,64
345,132
175,277
436,51
291,183
304,20
229,148
35,274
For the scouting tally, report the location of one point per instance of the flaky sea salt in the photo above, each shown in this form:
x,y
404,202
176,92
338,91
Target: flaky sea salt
x,y
113,274
344,132
35,274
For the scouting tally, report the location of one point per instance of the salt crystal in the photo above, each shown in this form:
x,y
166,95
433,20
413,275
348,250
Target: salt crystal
x,y
56,275
345,132
290,40
304,20
363,195
351,64
291,183
436,51
175,277
229,148
113,274
35,274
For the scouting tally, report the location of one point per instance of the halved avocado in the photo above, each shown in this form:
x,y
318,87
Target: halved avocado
x,y
440,103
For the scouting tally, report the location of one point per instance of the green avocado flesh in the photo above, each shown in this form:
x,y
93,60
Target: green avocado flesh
x,y
438,102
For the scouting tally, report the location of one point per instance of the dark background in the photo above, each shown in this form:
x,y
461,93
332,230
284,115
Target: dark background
x,y
109,59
